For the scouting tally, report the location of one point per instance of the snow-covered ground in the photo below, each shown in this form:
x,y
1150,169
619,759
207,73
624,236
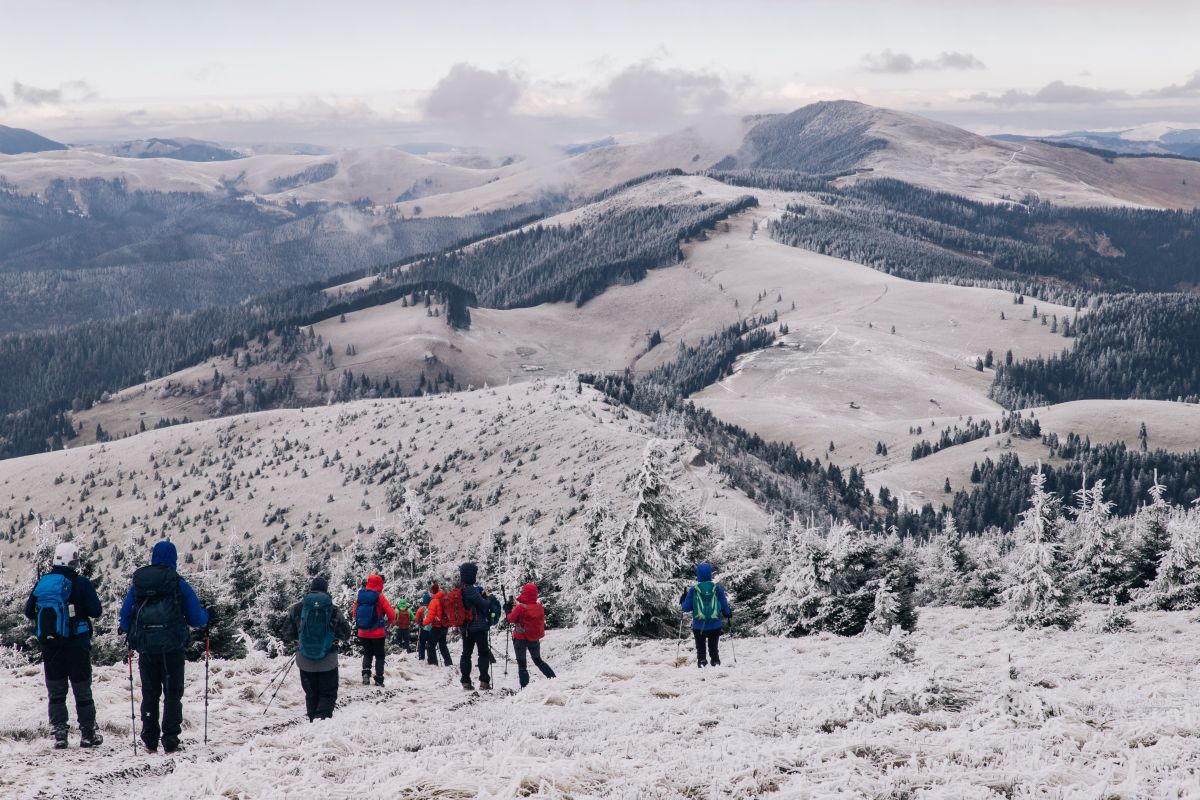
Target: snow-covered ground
x,y
983,712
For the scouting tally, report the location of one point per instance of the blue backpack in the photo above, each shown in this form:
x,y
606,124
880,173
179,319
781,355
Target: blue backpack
x,y
51,597
366,614
495,611
316,625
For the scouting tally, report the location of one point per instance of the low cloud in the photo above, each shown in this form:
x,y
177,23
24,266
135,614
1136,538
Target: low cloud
x,y
3,102
64,93
470,94
646,94
1189,88
894,63
1062,93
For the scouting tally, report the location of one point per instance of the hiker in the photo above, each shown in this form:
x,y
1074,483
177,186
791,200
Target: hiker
x,y
316,624
66,640
475,624
707,603
422,627
435,619
155,617
403,625
528,618
372,615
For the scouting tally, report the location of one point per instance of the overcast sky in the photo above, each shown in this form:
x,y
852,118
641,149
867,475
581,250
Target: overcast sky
x,y
354,71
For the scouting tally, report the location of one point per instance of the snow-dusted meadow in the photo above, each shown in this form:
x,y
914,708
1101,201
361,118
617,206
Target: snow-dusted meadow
x,y
983,711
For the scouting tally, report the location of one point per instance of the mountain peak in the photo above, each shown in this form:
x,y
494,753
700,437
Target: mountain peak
x,y
19,140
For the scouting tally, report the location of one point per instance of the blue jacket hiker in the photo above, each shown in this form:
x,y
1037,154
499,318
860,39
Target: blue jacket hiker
x,y
62,605
709,607
476,602
155,617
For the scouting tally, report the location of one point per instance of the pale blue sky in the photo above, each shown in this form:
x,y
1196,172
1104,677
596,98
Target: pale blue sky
x,y
363,70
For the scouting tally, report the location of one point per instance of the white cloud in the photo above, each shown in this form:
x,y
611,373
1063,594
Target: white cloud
x,y
470,94
890,62
645,94
69,92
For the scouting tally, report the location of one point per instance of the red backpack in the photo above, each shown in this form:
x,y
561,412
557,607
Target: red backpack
x,y
454,613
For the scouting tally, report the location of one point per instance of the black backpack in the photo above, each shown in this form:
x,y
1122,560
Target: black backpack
x,y
158,625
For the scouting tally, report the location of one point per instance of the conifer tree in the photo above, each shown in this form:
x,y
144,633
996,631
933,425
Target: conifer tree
x,y
1151,540
1177,584
1039,594
1100,570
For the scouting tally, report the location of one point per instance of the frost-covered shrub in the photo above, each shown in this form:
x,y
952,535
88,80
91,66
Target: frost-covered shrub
x,y
1176,585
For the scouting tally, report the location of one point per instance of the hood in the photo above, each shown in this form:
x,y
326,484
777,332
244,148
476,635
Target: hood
x,y
438,595
425,598
319,584
467,574
704,572
528,593
164,553
402,605
434,589
375,582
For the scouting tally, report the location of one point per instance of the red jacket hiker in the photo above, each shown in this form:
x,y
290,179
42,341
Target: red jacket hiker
x,y
375,583
528,616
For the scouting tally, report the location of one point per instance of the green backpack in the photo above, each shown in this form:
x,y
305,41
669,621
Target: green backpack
x,y
705,606
316,626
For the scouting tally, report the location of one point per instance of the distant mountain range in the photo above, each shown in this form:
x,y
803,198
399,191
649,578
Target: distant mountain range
x,y
1153,139
183,149
19,140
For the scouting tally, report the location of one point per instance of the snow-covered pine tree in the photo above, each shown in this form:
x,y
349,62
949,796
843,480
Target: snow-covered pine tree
x,y
280,587
1151,540
415,558
1177,584
524,562
1100,570
944,567
640,567
224,631
1039,595
802,584
351,572
885,612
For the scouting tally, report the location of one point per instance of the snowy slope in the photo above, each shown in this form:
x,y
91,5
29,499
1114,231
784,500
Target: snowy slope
x,y
525,457
984,712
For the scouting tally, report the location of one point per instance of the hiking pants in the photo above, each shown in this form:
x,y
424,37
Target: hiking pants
x,y
520,647
436,643
68,665
477,640
710,638
320,692
373,649
404,639
422,643
162,676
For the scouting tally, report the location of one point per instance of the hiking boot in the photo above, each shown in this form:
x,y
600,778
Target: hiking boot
x,y
60,737
151,746
170,746
716,662
366,679
379,682
90,737
701,664
485,685
468,686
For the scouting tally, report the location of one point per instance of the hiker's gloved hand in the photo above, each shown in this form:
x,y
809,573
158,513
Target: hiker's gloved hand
x,y
508,606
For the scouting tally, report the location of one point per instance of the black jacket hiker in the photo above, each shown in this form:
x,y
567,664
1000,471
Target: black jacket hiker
x,y
156,616
69,663
475,632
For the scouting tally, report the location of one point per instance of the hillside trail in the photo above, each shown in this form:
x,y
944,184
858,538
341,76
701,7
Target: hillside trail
x,y
241,722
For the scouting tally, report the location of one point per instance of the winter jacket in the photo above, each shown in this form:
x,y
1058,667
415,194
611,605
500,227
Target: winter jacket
x,y
375,584
84,603
341,633
164,554
528,616
477,607
433,614
704,578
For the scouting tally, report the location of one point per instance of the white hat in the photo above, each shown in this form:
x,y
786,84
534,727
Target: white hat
x,y
65,554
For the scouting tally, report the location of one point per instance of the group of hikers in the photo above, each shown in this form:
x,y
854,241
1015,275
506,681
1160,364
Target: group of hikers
x,y
160,608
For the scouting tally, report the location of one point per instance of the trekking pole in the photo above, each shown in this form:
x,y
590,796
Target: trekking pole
x,y
732,647
679,640
287,669
132,716
206,650
508,636
271,682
